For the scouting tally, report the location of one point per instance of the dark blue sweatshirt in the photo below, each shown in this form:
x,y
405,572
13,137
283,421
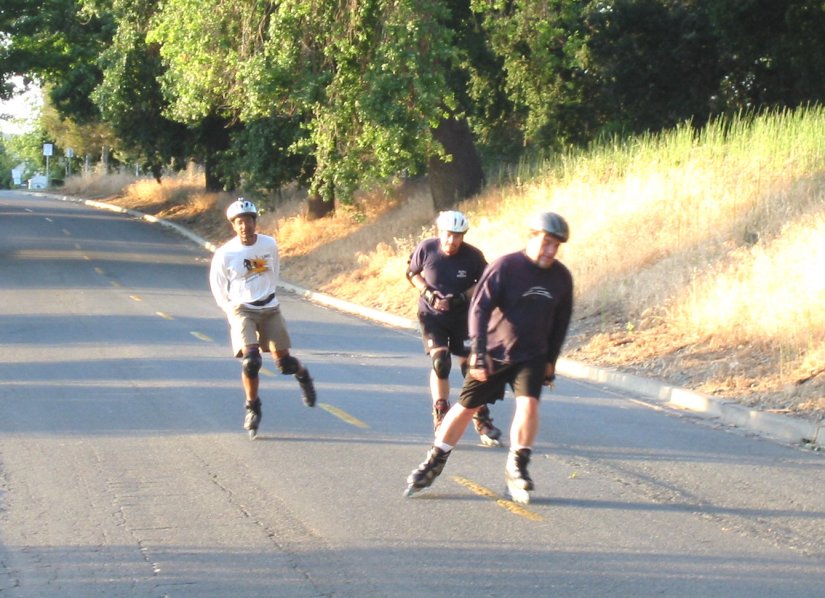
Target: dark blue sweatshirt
x,y
520,311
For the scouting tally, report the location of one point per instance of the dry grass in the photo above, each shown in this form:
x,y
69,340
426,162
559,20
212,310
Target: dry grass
x,y
697,259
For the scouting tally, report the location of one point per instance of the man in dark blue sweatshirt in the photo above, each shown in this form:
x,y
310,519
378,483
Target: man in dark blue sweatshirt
x,y
518,321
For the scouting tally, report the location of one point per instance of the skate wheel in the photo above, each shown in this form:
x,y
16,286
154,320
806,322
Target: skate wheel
x,y
410,491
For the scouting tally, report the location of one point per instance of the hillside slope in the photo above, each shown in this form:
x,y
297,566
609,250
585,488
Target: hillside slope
x,y
698,258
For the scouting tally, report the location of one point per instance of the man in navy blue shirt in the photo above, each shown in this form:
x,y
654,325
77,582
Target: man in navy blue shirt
x,y
518,320
445,271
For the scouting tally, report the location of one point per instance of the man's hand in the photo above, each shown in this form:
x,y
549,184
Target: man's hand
x,y
436,299
550,375
480,365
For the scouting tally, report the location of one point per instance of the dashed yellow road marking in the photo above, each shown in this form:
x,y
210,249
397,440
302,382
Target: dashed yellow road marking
x,y
267,372
135,298
646,404
164,315
343,415
201,337
509,505
99,270
115,284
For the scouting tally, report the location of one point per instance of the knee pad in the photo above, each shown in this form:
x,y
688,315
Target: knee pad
x,y
252,363
442,362
288,365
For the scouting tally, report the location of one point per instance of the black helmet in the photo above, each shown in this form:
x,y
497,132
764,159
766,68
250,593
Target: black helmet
x,y
551,223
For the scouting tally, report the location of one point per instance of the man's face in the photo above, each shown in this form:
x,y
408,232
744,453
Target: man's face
x,y
244,226
542,248
450,242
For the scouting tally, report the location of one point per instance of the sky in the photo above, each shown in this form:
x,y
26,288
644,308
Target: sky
x,y
21,108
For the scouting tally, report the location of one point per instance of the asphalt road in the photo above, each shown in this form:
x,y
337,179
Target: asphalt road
x,y
124,469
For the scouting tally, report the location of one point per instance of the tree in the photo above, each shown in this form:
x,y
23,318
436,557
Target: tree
x,y
128,96
366,82
47,41
770,52
542,50
651,64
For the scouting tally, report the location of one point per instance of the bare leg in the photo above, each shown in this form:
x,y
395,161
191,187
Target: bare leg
x,y
454,424
525,425
439,387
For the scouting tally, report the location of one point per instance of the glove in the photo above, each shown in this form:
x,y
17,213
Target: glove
x,y
435,299
457,301
430,295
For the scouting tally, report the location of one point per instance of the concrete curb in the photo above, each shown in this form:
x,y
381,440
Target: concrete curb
x,y
782,428
779,427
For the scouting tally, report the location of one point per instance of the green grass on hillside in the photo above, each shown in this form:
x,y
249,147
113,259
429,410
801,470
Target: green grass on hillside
x,y
697,256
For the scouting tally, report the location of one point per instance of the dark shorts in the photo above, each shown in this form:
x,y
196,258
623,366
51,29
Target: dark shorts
x,y
525,378
445,331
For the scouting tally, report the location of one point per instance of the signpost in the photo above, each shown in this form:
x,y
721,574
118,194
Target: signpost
x,y
48,150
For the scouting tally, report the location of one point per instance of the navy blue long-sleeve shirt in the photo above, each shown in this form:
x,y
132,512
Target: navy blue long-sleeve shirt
x,y
520,311
448,274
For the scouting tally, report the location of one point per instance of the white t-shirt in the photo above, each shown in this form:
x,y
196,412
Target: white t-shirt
x,y
241,274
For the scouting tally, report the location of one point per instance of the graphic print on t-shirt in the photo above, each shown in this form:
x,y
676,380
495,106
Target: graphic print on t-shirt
x,y
254,266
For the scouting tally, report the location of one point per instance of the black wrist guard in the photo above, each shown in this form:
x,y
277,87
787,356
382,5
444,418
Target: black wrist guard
x,y
430,295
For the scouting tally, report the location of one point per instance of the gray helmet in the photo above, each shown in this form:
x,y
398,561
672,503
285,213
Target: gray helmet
x,y
551,223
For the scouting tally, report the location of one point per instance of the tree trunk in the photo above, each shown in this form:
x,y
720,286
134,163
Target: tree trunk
x,y
317,208
461,177
213,182
213,139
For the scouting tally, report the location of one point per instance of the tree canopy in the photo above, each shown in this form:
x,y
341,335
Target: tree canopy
x,y
341,94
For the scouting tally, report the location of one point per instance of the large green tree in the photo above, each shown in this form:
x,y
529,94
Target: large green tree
x,y
364,81
342,94
770,52
128,95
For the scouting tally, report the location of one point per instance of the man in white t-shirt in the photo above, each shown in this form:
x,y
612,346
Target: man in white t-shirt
x,y
244,279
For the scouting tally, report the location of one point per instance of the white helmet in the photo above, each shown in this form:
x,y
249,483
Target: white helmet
x,y
451,221
241,206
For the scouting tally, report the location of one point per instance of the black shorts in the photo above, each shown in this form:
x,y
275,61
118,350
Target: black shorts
x,y
445,331
525,378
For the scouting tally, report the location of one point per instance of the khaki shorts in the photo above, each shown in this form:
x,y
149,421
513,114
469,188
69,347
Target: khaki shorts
x,y
264,327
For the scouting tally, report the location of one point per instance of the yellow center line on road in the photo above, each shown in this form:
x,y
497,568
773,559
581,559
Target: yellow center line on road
x,y
99,270
509,505
200,336
164,315
344,416
135,298
267,372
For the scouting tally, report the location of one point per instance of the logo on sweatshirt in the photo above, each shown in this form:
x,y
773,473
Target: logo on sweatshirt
x,y
539,291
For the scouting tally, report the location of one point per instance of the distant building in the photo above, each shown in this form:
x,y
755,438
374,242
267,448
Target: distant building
x,y
38,181
17,174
